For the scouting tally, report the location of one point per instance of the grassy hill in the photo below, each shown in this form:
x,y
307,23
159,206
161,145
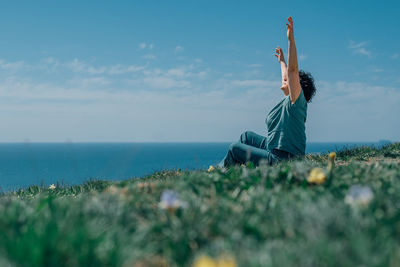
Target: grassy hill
x,y
243,216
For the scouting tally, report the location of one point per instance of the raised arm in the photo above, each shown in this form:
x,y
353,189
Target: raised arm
x,y
281,59
293,68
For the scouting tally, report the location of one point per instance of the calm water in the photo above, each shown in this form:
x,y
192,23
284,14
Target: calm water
x,y
25,164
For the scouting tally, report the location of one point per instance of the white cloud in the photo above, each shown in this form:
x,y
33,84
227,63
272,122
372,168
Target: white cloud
x,y
395,56
178,103
51,64
202,74
92,81
255,83
178,72
376,69
254,65
359,48
302,57
149,56
166,83
79,66
11,66
142,46
179,48
353,111
121,69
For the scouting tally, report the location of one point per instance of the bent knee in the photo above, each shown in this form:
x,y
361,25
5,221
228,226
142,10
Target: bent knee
x,y
232,146
245,136
236,148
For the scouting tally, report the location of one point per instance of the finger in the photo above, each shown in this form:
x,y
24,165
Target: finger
x,y
291,20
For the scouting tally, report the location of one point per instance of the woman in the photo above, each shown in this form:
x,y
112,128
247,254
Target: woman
x,y
286,136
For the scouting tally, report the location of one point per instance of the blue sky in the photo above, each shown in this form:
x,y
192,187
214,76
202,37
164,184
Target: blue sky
x,y
165,71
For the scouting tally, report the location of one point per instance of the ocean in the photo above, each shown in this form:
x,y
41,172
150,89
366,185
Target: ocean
x,y
25,164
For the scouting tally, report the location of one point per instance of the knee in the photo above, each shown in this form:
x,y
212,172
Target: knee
x,y
239,152
238,149
232,146
244,137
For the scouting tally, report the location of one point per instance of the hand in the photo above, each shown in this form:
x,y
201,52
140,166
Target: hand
x,y
279,54
289,28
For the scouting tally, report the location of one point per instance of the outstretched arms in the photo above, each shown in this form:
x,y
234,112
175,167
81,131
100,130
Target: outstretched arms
x,y
293,68
281,59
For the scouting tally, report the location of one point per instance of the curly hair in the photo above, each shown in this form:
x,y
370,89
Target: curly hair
x,y
307,85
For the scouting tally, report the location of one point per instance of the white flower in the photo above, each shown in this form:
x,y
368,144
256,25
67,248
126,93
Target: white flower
x,y
359,195
52,187
170,201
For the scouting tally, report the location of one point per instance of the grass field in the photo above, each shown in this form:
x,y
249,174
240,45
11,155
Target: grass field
x,y
244,216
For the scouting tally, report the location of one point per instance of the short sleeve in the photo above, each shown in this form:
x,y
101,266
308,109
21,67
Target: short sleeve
x,y
300,101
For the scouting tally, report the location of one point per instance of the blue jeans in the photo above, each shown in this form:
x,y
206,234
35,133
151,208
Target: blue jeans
x,y
252,147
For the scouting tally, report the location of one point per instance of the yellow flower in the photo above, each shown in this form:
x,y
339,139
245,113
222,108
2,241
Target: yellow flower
x,y
52,187
316,176
226,262
223,261
332,155
331,162
205,261
211,168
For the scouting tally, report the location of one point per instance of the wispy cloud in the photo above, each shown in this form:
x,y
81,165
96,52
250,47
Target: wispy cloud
x,y
254,65
167,101
142,46
79,66
376,69
179,48
360,48
302,57
149,56
395,56
255,83
166,83
13,66
91,103
121,69
179,72
92,81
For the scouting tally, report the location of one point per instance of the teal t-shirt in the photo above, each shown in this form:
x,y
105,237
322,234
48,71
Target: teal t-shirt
x,y
286,125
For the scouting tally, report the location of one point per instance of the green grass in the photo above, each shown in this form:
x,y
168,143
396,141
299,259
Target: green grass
x,y
265,216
